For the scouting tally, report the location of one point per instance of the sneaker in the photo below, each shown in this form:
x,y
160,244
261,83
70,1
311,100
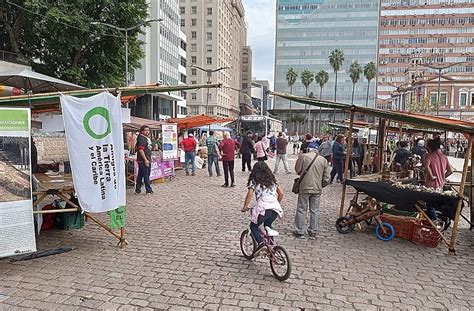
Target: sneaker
x,y
149,192
225,185
298,235
187,174
288,173
193,174
232,185
311,236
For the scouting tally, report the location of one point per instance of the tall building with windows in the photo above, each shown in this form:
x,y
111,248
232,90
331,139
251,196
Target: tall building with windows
x,y
163,47
216,32
306,33
415,35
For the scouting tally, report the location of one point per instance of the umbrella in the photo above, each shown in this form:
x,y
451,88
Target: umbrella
x,y
28,80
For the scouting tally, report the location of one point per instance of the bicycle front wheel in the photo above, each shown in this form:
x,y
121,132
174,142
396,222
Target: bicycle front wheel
x,y
280,263
247,244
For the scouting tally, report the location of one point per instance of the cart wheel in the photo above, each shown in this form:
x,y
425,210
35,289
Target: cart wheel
x,y
342,226
389,231
369,221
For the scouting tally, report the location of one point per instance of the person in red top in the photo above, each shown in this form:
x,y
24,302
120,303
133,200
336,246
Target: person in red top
x,y
227,149
189,147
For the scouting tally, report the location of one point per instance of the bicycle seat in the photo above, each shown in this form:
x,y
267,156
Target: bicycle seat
x,y
271,232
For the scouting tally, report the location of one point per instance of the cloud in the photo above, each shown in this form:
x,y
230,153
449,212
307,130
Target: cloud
x,y
260,17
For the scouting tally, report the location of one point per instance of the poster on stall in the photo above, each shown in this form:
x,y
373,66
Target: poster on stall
x,y
159,168
17,235
94,136
170,141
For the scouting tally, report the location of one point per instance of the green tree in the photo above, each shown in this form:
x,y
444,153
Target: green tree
x,y
336,59
307,77
370,71
355,70
57,36
422,106
291,76
321,78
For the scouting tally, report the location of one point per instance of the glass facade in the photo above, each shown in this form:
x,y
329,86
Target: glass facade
x,y
306,33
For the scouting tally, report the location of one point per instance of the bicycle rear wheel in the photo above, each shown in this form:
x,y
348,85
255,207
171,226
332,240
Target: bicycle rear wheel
x,y
247,244
280,263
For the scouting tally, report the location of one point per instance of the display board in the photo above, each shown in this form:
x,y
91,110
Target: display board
x,y
170,141
17,234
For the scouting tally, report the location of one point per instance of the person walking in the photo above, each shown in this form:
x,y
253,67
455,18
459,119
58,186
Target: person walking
x,y
246,150
143,148
281,144
261,149
325,149
189,146
227,149
338,155
311,184
212,154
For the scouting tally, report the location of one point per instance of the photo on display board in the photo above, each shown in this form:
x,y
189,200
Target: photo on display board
x,y
14,169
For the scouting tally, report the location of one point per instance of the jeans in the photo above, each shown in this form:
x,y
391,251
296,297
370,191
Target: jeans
x,y
189,156
228,169
306,200
143,174
246,161
267,220
213,159
283,157
337,168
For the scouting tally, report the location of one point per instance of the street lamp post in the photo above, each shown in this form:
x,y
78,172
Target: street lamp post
x,y
126,30
440,68
209,76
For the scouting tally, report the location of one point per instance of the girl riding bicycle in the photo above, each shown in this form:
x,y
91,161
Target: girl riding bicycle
x,y
268,195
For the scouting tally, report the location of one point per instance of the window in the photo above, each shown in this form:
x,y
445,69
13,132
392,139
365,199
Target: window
x,y
194,9
182,10
472,99
193,96
462,99
209,23
443,99
208,35
193,81
209,11
193,22
193,59
193,34
209,60
209,96
183,22
193,47
208,47
193,71
433,99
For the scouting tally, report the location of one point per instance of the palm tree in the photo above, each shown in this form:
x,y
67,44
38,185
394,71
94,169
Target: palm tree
x,y
355,70
336,58
291,76
370,71
321,78
307,77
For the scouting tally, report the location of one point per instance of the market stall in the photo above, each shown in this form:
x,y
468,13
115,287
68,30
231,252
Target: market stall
x,y
423,121
101,173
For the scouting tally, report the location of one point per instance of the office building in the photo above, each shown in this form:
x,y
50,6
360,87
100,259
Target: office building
x,y
245,101
419,34
163,47
266,102
306,33
216,32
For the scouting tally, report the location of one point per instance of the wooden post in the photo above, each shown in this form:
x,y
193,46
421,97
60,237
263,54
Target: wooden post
x,y
346,163
461,194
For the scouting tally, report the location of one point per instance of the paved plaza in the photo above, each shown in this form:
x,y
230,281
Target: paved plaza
x,y
184,254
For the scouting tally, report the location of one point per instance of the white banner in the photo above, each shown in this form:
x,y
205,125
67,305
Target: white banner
x,y
95,142
17,230
170,141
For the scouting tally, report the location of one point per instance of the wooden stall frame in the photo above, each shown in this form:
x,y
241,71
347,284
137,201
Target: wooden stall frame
x,y
346,164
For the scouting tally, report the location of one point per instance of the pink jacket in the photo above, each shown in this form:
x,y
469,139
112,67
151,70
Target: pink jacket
x,y
260,147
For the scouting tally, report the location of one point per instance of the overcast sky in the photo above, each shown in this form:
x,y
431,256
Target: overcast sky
x,y
260,16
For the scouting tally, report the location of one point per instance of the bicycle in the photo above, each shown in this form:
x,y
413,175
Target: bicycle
x,y
277,255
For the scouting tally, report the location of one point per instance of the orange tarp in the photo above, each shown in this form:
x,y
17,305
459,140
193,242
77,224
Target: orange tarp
x,y
197,121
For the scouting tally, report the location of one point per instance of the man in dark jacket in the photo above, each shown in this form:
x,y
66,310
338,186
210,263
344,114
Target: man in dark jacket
x,y
338,156
246,150
402,154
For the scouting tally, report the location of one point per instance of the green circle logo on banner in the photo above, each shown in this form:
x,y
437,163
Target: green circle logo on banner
x,y
99,111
